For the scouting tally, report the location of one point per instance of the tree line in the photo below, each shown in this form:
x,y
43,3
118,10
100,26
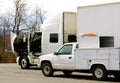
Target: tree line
x,y
17,21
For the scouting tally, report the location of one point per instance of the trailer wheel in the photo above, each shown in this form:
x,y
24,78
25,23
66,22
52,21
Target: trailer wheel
x,y
47,69
99,72
67,73
24,62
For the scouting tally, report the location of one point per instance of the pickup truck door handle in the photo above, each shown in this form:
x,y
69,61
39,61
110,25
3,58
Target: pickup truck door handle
x,y
70,57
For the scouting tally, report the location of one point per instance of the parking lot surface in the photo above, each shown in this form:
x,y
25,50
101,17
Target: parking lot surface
x,y
12,73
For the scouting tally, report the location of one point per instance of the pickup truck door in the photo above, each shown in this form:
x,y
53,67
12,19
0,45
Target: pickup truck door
x,y
65,58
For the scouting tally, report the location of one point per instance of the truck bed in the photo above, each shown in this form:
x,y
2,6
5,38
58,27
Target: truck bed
x,y
109,57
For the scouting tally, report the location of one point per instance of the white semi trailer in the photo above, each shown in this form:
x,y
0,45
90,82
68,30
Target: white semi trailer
x,y
103,20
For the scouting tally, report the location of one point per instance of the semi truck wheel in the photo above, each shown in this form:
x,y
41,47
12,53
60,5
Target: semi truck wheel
x,y
99,72
24,62
47,69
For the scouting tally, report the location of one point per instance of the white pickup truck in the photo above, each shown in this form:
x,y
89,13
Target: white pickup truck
x,y
69,58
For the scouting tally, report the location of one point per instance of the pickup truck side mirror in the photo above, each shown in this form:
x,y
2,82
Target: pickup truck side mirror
x,y
56,53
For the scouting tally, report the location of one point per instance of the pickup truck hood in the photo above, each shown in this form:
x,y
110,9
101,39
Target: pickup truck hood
x,y
46,55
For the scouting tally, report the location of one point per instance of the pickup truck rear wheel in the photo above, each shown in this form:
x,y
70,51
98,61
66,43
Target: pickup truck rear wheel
x,y
67,73
24,62
47,69
99,72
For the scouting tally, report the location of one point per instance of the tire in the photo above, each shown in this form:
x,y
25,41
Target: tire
x,y
47,70
67,73
24,63
99,72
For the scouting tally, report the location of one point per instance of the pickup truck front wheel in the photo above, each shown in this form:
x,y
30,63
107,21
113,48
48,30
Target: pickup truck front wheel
x,y
47,69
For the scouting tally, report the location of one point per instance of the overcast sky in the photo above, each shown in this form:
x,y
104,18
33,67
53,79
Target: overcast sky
x,y
53,6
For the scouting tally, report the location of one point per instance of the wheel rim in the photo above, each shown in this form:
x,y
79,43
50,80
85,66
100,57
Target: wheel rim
x,y
99,73
46,70
23,63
